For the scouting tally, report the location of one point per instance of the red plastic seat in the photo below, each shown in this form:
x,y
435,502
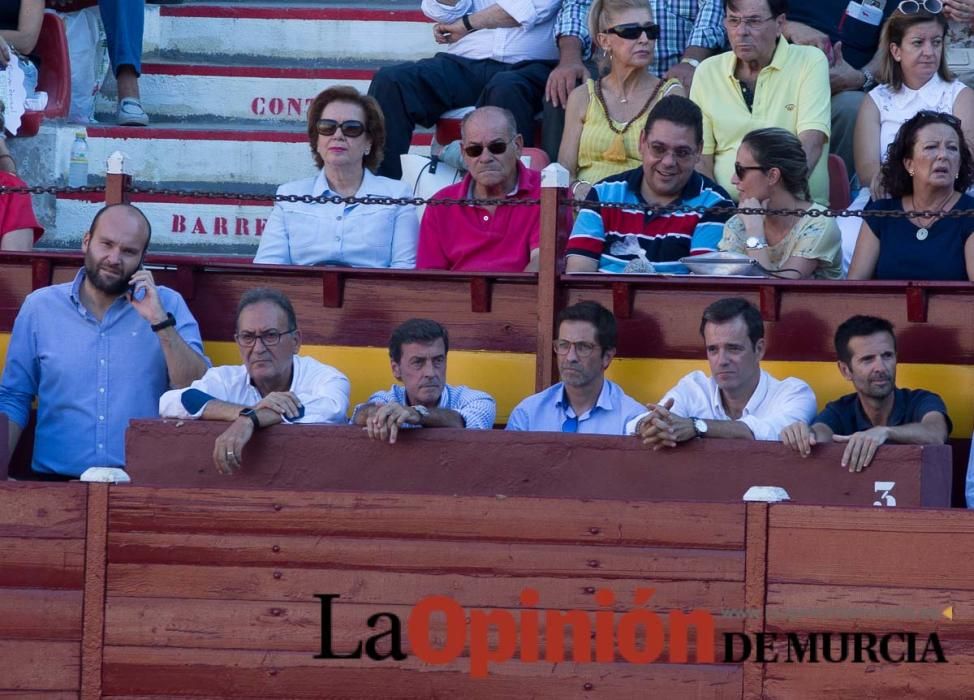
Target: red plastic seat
x,y
54,77
840,193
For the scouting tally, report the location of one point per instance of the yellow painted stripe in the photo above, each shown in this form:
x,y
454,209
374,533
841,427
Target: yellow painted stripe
x,y
509,377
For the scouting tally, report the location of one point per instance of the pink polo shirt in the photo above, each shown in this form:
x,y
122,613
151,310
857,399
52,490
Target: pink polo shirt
x,y
471,239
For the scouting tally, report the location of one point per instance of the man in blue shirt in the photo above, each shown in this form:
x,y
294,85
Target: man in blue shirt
x,y
417,354
584,401
96,354
877,412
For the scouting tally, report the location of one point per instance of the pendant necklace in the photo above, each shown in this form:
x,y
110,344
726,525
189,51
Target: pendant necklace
x,y
924,231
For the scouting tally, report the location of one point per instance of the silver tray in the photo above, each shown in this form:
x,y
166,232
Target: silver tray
x,y
723,263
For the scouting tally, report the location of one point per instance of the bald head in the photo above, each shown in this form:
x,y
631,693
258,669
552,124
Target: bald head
x,y
123,216
494,116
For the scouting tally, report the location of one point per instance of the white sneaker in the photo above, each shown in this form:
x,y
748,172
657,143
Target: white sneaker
x,y
130,113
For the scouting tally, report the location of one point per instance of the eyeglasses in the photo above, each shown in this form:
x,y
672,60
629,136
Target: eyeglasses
x,y
582,348
750,22
741,170
680,153
912,7
633,31
351,128
496,147
268,338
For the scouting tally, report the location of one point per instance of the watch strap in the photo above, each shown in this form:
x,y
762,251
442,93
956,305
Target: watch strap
x,y
466,23
692,61
170,321
252,415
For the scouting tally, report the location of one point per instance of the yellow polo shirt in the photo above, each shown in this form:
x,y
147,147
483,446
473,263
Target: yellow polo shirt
x,y
792,92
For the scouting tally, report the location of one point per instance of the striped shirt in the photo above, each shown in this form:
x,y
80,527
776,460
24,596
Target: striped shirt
x,y
682,23
615,236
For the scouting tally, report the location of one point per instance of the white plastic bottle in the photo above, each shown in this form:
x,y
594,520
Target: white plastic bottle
x,y
78,172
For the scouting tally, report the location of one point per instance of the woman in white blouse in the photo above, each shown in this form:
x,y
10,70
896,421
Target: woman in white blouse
x,y
346,132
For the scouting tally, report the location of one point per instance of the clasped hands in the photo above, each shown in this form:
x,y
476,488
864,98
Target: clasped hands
x,y
385,421
661,428
229,446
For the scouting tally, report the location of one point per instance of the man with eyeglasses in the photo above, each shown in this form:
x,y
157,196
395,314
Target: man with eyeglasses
x,y
97,352
500,236
762,81
495,52
273,385
417,355
613,239
739,399
584,401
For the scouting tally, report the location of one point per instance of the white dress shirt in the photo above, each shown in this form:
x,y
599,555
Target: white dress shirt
x,y
352,235
322,390
533,40
773,405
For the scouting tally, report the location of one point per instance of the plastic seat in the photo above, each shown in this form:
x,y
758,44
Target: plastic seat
x,y
54,76
840,192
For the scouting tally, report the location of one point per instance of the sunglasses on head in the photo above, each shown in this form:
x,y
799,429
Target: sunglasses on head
x,y
741,170
351,128
944,117
475,149
912,7
633,31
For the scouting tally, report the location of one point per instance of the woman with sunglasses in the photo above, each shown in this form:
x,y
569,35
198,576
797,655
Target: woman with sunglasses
x,y
346,132
913,76
928,169
771,173
603,118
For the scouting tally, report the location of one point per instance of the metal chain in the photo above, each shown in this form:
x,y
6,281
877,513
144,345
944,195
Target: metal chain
x,y
420,201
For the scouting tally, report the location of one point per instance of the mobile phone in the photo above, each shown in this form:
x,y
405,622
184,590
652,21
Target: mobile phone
x,y
137,293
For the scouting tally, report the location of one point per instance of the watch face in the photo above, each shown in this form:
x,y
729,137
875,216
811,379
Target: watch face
x,y
700,425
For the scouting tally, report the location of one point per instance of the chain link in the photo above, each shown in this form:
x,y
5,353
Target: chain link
x,y
419,201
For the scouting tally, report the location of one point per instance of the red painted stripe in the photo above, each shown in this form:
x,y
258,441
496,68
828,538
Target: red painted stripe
x,y
259,72
127,132
331,13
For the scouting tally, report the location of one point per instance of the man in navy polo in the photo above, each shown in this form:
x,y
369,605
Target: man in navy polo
x,y
878,411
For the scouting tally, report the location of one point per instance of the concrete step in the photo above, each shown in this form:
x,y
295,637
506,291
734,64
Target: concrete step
x,y
219,226
292,31
188,92
240,158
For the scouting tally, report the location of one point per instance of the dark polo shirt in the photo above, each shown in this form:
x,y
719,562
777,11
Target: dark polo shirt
x,y
845,415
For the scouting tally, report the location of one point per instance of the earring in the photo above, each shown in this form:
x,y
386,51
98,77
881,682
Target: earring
x,y
910,172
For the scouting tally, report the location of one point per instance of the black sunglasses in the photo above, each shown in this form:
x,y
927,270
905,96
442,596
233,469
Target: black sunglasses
x,y
633,31
741,170
496,147
351,128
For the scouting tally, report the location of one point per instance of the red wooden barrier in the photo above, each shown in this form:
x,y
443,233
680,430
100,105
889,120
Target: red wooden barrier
x,y
485,463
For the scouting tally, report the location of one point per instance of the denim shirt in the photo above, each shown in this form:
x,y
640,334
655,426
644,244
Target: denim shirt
x,y
90,377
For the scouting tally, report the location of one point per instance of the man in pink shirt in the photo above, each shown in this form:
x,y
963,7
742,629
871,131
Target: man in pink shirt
x,y
495,238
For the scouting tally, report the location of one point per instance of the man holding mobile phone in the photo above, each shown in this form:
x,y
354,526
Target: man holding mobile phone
x,y
94,354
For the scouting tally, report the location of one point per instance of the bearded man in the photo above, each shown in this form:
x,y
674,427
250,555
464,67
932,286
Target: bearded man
x,y
97,352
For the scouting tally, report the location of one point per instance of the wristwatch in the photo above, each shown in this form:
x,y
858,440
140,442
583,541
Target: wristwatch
x,y
692,61
467,25
868,80
170,321
754,243
699,427
252,415
422,411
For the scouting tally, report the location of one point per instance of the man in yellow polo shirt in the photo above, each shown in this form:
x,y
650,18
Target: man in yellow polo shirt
x,y
762,81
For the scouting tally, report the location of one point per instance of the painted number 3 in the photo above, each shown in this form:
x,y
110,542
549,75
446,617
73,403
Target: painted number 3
x,y
886,499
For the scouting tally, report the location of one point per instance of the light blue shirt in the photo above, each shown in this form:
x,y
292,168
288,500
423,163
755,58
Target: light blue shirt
x,y
477,408
351,235
550,409
90,377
